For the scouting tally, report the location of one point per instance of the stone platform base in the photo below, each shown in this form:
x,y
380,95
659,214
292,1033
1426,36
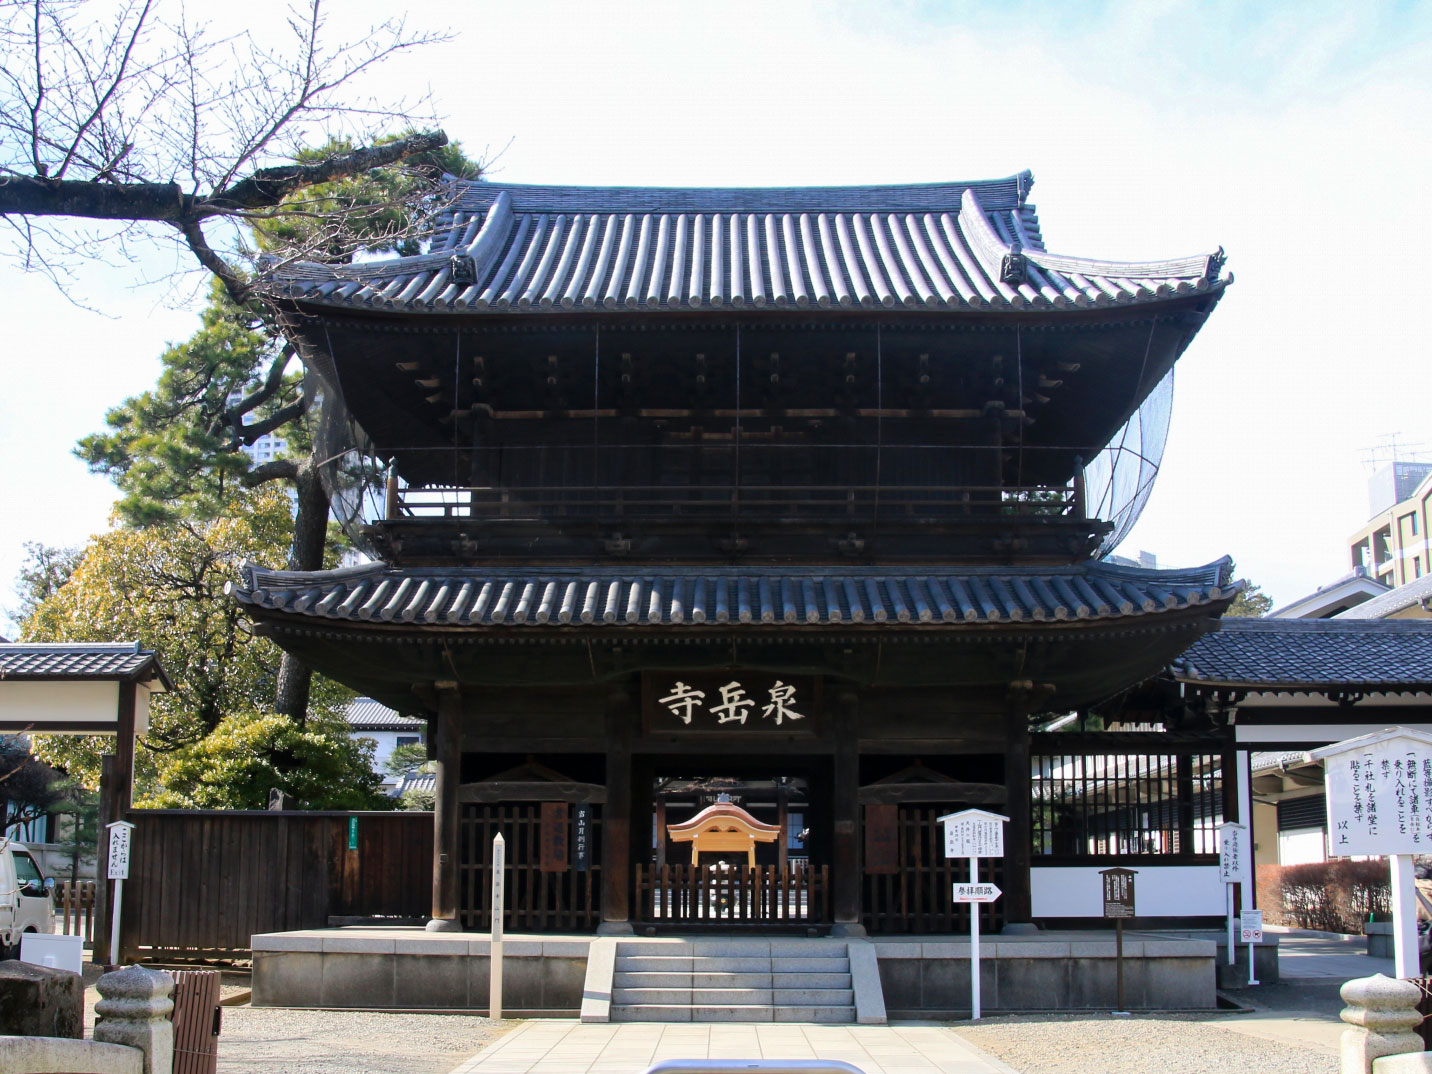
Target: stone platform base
x,y
387,968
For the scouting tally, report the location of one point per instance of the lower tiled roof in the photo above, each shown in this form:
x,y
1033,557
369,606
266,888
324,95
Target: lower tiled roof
x,y
365,714
124,661
1390,603
1312,654
609,597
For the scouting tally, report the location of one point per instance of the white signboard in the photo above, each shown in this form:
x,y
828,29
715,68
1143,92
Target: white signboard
x,y
1380,797
976,893
119,850
974,833
1250,926
1233,856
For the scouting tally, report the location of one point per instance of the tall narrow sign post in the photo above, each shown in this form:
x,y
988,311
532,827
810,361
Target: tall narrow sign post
x,y
974,834
1233,858
494,981
1379,793
118,872
1118,904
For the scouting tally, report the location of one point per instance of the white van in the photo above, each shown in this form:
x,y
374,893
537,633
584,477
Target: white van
x,y
27,898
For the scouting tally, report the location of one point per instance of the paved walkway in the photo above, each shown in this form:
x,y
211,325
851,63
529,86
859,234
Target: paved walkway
x,y
1319,954
566,1046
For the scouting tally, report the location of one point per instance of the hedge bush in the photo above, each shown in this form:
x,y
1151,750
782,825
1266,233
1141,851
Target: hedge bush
x,y
1332,896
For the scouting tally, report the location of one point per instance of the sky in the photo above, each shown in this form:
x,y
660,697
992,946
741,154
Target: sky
x,y
1295,136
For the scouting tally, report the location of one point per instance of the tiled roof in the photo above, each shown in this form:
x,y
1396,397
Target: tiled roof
x,y
416,781
1393,601
1264,761
976,245
365,714
1294,654
607,596
123,661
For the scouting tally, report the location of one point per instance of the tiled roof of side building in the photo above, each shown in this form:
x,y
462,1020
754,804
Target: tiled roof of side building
x,y
1390,603
942,246
365,714
52,661
1312,654
610,597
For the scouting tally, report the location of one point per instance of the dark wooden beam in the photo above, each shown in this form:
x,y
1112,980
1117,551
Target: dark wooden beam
x,y
951,791
448,765
845,815
504,791
616,817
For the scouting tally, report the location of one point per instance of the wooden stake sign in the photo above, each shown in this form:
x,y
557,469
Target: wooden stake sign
x,y
974,834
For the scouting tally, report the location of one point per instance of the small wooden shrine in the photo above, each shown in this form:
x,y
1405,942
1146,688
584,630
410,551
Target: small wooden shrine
x,y
803,485
724,828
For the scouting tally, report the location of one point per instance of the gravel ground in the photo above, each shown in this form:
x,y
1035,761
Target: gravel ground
x,y
270,1041
1169,1044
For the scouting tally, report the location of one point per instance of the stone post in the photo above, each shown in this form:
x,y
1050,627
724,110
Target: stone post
x,y
134,1009
1382,1012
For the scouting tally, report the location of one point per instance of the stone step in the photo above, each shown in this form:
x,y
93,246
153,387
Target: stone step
x,y
811,965
697,997
783,981
843,1015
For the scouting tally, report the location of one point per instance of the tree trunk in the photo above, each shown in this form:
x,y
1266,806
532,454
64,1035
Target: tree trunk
x,y
310,532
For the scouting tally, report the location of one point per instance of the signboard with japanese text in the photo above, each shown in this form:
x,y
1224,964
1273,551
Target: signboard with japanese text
x,y
1379,796
976,893
1118,892
974,833
730,702
1233,856
582,837
119,838
553,838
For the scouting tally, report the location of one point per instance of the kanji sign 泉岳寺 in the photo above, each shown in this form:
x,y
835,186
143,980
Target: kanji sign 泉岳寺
x,y
729,701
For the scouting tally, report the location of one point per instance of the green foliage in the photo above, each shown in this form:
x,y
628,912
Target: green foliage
x,y
406,758
27,785
386,210
1252,603
320,765
169,449
42,573
417,801
164,586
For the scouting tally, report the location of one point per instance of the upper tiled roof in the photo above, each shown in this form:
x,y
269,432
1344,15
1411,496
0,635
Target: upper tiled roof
x,y
121,661
365,714
606,596
1393,601
1312,654
502,247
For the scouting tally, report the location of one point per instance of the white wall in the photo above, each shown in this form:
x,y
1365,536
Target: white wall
x,y
1302,846
1159,891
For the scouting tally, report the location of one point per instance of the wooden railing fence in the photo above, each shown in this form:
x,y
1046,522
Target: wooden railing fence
x,y
737,894
918,896
202,883
74,906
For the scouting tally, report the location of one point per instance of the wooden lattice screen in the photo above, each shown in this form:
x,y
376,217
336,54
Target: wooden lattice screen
x,y
534,900
918,897
699,895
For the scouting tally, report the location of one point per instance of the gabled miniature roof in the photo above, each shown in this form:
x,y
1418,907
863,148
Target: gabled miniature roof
x,y
104,661
1312,655
728,810
962,245
611,596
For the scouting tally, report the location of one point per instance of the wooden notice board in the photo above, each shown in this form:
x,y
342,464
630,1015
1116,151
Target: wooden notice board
x,y
882,839
554,837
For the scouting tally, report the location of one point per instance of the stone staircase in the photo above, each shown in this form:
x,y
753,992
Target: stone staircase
x,y
701,980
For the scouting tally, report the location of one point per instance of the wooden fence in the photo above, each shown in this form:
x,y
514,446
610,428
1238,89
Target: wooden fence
x,y
551,896
203,882
739,894
916,896
74,908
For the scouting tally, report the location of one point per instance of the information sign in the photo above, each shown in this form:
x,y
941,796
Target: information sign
x,y
1118,892
1233,856
582,837
1250,926
976,893
1379,790
352,833
119,850
974,833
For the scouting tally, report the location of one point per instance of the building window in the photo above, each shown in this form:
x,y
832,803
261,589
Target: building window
x,y
1126,804
407,740
1417,566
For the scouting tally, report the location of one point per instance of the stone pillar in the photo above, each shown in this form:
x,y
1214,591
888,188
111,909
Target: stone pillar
x,y
616,817
847,871
448,763
1382,1012
1018,908
134,1009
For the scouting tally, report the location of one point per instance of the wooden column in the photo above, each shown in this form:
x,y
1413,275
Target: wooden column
x,y
116,798
846,872
1017,840
447,757
616,816
783,819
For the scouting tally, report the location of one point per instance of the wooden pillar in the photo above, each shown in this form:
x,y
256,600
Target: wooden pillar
x,y
447,758
1018,909
660,834
116,798
846,871
616,817
783,820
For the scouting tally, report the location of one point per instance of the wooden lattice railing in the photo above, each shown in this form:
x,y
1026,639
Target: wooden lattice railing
x,y
696,895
